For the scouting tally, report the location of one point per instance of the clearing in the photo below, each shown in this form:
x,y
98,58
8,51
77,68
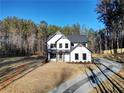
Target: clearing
x,y
46,77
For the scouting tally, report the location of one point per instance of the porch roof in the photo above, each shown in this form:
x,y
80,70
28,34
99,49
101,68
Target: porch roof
x,y
58,51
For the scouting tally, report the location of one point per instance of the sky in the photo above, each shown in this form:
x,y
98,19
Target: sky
x,y
56,12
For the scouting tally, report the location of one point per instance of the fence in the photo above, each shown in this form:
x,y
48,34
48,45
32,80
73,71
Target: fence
x,y
113,51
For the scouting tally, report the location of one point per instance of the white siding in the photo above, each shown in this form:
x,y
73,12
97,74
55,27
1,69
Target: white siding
x,y
53,60
75,44
53,40
67,57
63,41
80,50
86,45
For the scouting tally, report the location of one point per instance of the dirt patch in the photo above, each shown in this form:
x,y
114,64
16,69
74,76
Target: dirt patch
x,y
45,78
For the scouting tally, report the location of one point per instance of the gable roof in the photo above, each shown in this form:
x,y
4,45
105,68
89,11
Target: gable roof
x,y
78,46
77,38
51,36
61,38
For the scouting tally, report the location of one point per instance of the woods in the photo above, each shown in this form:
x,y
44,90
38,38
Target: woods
x,y
111,13
20,37
24,37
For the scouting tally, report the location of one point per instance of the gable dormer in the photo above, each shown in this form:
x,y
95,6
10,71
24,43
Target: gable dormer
x,y
53,38
63,43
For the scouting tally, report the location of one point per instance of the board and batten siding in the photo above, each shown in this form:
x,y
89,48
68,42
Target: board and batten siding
x,y
67,57
80,50
53,40
63,41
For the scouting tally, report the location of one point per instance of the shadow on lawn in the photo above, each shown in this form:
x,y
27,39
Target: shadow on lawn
x,y
12,72
102,87
24,60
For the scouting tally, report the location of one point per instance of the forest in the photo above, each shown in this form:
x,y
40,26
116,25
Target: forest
x,y
111,13
19,37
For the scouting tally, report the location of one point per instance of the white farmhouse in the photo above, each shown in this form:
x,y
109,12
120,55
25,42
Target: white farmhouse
x,y
72,48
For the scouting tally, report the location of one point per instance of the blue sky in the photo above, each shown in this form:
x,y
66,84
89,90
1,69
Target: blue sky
x,y
58,12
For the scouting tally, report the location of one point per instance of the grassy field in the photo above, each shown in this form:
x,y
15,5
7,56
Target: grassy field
x,y
45,78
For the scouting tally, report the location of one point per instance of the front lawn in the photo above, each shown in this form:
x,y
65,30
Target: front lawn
x,y
46,77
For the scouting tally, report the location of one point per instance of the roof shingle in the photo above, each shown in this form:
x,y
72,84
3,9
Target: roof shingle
x,y
77,38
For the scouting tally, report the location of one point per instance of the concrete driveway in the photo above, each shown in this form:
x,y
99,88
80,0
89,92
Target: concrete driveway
x,y
87,82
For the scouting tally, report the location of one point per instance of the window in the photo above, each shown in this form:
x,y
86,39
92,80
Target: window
x,y
84,56
84,44
72,44
60,45
52,45
66,45
52,55
76,56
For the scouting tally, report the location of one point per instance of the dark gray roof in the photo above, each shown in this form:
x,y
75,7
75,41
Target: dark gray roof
x,y
77,38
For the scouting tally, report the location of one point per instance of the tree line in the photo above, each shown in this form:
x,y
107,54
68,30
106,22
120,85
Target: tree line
x,y
24,37
19,37
111,13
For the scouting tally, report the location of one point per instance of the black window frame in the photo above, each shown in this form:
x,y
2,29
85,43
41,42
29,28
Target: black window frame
x,y
76,56
66,45
55,45
84,44
72,44
52,55
60,45
84,56
52,45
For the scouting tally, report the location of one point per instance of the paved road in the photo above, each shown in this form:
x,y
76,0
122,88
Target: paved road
x,y
86,82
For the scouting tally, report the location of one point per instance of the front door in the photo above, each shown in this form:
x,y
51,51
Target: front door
x,y
60,57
